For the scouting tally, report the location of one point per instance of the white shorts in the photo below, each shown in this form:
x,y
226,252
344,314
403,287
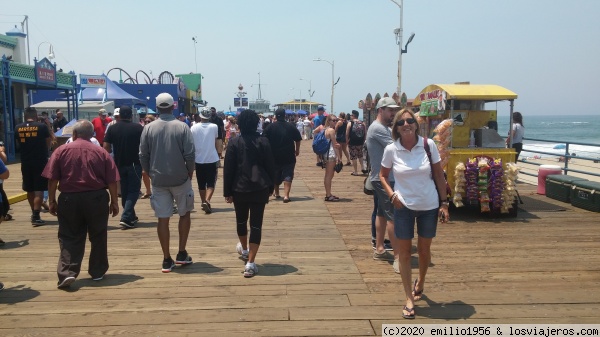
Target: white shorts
x,y
162,198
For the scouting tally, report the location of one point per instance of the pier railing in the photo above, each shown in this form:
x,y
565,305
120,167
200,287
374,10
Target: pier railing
x,y
586,164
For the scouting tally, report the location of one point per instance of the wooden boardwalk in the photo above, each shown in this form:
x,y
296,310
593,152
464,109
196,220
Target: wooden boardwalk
x,y
316,272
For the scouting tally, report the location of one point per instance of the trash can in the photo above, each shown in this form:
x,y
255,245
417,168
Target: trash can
x,y
543,172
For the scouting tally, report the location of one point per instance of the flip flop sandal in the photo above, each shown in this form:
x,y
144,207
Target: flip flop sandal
x,y
146,196
416,293
286,200
354,174
331,198
411,313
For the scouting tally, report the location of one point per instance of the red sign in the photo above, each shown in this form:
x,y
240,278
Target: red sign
x,y
45,71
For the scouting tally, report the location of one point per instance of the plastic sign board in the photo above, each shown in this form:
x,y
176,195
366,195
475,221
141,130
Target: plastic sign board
x,y
45,72
432,102
92,81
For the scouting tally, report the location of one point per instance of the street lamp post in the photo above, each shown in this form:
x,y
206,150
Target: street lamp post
x,y
195,56
310,94
398,32
332,80
50,51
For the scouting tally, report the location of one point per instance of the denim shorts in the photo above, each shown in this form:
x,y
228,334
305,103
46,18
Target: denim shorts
x,y
404,223
384,205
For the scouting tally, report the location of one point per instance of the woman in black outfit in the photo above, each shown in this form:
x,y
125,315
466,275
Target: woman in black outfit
x,y
340,136
248,181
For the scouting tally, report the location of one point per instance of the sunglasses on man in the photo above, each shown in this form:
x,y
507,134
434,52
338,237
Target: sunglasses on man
x,y
401,122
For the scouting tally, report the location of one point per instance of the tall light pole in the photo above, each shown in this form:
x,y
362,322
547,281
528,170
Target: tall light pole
x,y
398,32
50,51
310,94
332,80
195,56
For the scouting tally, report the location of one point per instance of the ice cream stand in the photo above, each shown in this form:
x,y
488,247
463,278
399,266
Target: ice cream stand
x,y
481,171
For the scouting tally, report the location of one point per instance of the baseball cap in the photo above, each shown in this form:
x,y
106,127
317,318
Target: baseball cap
x,y
164,100
182,115
103,111
387,102
117,112
321,108
204,113
280,113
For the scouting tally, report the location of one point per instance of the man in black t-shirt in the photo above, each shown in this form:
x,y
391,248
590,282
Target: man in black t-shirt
x,y
285,140
34,140
124,136
59,122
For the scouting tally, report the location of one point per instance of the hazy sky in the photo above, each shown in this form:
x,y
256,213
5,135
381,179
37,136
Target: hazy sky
x,y
545,51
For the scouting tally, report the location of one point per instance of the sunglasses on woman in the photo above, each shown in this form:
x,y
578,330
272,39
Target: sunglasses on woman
x,y
401,122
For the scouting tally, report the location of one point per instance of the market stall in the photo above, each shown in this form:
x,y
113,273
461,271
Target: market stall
x,y
481,171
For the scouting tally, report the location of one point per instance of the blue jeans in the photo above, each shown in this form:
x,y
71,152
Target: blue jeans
x,y
374,216
131,182
404,223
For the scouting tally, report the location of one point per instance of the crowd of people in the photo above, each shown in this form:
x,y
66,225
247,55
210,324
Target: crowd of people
x,y
163,152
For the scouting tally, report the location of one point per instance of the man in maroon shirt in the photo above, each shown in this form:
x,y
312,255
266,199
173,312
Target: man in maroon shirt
x,y
84,171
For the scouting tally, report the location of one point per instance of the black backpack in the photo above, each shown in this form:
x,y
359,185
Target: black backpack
x,y
357,133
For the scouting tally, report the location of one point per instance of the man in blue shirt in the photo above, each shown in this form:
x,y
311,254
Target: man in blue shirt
x,y
320,117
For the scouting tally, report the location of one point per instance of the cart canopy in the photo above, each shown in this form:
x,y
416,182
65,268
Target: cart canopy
x,y
475,92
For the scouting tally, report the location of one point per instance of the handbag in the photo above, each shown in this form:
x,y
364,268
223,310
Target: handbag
x,y
338,167
367,187
448,189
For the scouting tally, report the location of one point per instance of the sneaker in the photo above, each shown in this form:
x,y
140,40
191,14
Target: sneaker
x,y
126,224
136,220
183,258
206,207
385,256
98,278
397,266
168,265
387,245
1,286
243,253
37,221
251,270
66,282
175,210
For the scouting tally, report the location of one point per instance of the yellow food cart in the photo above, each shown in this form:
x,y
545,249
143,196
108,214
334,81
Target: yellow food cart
x,y
480,169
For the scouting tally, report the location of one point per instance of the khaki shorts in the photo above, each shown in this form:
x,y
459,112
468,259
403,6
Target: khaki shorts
x,y
219,143
162,198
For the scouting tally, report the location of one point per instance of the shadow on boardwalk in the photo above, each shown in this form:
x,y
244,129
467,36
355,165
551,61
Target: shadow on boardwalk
x,y
316,272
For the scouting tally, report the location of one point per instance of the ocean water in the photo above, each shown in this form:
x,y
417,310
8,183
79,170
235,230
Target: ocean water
x,y
558,130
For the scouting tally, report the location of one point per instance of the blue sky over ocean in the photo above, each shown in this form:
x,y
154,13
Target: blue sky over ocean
x,y
545,51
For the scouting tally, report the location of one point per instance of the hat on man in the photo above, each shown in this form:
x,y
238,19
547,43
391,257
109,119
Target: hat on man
x,y
204,113
103,112
280,113
164,100
125,112
182,115
387,102
321,108
117,112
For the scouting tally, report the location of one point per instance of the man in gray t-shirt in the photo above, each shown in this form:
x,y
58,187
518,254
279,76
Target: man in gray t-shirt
x,y
167,154
379,136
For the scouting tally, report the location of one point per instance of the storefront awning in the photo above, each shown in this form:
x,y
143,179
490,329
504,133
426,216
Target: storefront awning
x,y
477,92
